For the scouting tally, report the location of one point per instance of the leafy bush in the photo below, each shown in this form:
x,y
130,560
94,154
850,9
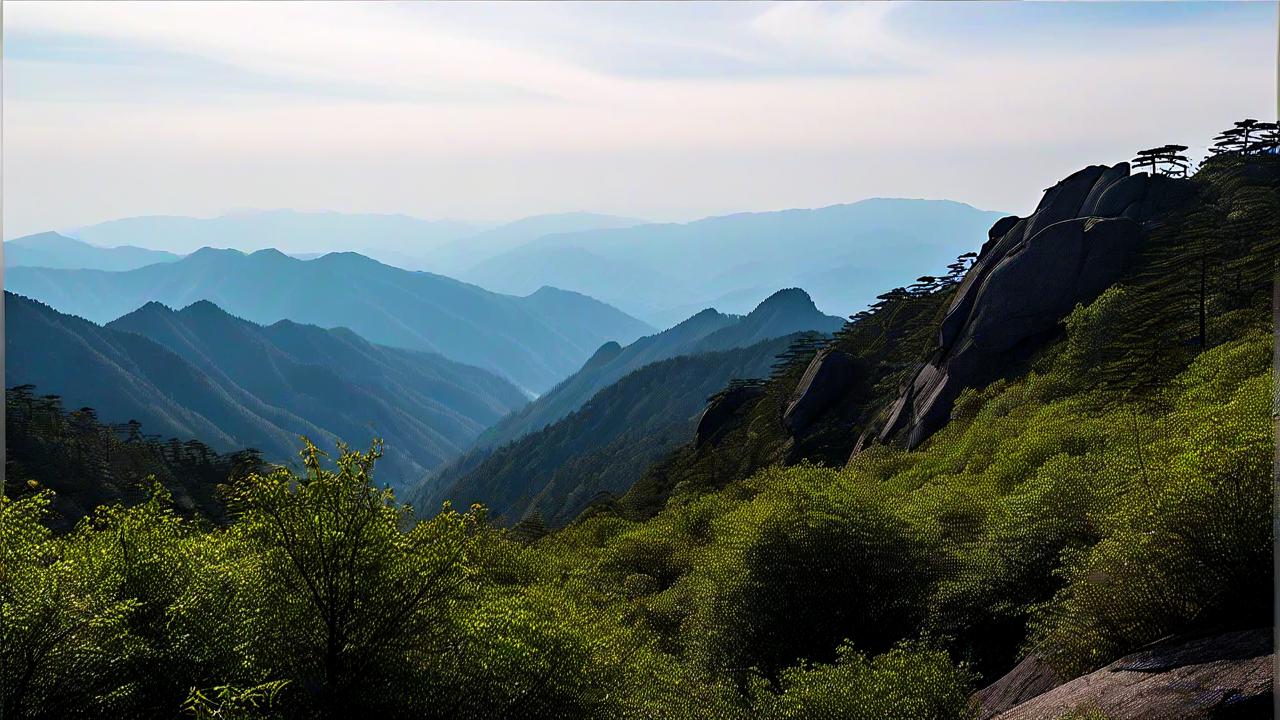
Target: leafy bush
x,y
794,573
909,682
1190,544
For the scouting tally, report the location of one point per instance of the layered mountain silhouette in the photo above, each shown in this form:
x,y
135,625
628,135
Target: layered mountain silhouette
x,y
534,341
201,372
783,313
443,246
843,255
51,250
600,449
286,230
458,255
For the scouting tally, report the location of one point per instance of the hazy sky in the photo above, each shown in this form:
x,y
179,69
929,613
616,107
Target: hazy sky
x,y
663,111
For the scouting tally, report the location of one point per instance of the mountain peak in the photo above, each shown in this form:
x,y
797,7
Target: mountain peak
x,y
269,254
604,355
549,291
45,238
347,257
154,307
793,299
148,313
209,253
203,307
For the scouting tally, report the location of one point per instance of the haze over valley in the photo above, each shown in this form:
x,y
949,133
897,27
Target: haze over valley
x,y
639,361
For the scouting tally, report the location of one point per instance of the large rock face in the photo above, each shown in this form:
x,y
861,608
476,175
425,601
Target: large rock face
x,y
1028,679
1208,678
1029,275
722,409
825,380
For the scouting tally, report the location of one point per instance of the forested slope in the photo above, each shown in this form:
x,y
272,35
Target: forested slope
x,y
202,373
782,313
599,450
1108,483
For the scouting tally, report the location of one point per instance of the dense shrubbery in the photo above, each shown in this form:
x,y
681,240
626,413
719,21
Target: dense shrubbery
x,y
323,597
1075,521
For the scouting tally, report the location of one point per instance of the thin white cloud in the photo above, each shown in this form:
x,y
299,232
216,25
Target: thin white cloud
x,y
854,34
346,43
513,116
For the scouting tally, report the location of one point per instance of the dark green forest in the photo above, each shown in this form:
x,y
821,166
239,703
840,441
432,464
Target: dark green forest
x,y
1109,489
602,449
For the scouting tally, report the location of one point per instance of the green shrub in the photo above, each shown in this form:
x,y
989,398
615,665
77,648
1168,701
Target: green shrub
x,y
909,682
796,572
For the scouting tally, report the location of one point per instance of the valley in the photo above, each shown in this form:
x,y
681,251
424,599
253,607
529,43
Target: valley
x,y
1034,482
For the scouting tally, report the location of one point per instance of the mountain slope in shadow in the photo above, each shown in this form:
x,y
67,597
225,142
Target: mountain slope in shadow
x,y
783,313
200,372
51,250
533,341
602,448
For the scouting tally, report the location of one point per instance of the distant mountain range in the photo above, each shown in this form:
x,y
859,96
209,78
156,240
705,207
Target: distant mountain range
x,y
286,230
603,447
534,341
783,313
200,372
51,250
441,246
463,253
843,255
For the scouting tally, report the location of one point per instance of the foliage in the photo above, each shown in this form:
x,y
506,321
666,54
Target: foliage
x,y
88,463
796,571
909,682
601,449
225,701
341,595
1102,499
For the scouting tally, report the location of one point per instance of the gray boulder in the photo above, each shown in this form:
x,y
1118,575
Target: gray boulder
x,y
722,409
1121,195
1207,678
825,381
1063,201
1028,679
1115,174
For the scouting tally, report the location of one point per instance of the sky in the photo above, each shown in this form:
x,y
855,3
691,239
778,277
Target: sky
x,y
490,112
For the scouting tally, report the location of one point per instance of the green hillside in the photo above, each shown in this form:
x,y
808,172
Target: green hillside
x,y
782,313
202,373
600,449
1074,486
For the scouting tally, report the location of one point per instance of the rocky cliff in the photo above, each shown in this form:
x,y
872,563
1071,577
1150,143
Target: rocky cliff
x,y
1029,275
1213,677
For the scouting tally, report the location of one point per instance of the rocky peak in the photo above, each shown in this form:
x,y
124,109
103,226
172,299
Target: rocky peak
x,y
723,407
1029,275
787,299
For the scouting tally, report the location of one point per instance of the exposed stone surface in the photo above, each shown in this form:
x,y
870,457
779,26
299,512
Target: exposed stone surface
x,y
1209,678
829,375
720,411
1028,679
1029,275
